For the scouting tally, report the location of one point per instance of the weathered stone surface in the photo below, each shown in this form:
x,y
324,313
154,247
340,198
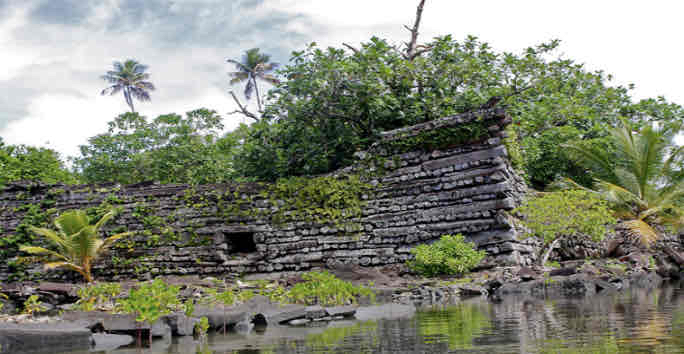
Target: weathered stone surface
x,y
47,338
421,196
106,341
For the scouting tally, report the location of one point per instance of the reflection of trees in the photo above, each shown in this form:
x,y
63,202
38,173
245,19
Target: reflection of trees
x,y
456,325
635,320
332,336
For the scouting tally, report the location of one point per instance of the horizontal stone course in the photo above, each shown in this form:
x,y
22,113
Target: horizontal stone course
x,y
462,189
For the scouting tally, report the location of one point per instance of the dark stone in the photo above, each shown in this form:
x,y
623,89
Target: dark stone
x,y
563,271
106,341
43,338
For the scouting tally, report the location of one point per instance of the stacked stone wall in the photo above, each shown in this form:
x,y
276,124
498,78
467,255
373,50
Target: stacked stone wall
x,y
417,197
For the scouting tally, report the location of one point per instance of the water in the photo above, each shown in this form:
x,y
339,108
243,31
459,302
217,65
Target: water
x,y
635,321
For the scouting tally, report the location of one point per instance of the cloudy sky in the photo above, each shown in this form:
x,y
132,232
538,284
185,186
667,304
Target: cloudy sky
x,y
53,52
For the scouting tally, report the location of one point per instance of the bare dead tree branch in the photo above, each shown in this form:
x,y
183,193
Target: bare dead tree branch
x,y
356,51
412,46
243,109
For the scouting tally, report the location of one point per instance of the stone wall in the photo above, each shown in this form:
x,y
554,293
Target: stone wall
x,y
417,197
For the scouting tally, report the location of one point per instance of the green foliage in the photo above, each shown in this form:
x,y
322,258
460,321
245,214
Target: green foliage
x,y
189,307
92,297
320,199
566,213
325,289
33,305
21,162
202,327
332,103
169,149
439,138
641,177
76,241
450,255
2,296
150,301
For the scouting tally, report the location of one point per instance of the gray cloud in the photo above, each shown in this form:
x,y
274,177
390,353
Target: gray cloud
x,y
64,12
184,43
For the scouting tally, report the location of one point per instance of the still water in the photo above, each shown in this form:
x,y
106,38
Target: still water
x,y
634,321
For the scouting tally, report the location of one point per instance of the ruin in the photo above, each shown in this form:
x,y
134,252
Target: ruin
x,y
411,189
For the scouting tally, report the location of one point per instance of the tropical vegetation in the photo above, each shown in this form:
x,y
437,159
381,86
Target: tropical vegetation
x,y
130,78
640,174
76,242
553,216
450,255
253,66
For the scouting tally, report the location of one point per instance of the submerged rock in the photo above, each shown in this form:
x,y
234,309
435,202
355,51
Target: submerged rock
x,y
43,338
106,341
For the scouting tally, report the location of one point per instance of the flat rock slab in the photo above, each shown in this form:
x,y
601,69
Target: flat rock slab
x,y
106,341
117,323
43,338
346,311
217,316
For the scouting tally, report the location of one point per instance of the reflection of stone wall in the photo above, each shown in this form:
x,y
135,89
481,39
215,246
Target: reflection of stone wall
x,y
420,196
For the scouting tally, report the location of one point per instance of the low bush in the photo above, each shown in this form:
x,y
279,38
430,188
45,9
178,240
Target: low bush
x,y
450,255
568,213
326,289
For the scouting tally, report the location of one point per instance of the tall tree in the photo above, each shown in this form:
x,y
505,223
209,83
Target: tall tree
x,y
131,78
254,65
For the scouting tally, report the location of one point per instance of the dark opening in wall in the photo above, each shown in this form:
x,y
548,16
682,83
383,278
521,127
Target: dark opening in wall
x,y
241,242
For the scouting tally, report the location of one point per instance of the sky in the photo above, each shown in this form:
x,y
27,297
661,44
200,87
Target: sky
x,y
53,52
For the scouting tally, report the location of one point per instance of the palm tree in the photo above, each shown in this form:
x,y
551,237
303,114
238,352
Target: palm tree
x,y
129,77
254,65
78,245
641,177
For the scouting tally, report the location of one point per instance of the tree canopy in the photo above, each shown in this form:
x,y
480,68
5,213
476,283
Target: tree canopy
x,y
169,149
22,162
333,102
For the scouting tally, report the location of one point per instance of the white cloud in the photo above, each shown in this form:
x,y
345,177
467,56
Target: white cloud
x,y
53,69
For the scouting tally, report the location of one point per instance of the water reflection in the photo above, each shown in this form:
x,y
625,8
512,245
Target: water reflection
x,y
636,321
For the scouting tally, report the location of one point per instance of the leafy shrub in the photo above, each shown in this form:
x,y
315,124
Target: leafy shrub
x,y
150,301
324,288
566,213
94,296
33,305
450,255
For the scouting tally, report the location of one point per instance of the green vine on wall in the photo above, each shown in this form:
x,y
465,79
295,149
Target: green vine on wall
x,y
440,138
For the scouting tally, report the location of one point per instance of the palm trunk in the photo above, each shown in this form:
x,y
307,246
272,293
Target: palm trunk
x,y
129,101
256,90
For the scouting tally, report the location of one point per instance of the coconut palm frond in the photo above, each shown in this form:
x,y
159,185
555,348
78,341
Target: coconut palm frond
x,y
647,234
77,240
643,179
131,78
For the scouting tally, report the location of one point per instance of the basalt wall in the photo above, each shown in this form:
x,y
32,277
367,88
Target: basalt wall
x,y
416,197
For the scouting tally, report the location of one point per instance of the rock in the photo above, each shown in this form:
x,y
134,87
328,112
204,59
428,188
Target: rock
x,y
677,257
313,312
527,274
299,322
471,290
563,271
43,338
217,316
106,341
284,314
243,327
181,325
345,311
